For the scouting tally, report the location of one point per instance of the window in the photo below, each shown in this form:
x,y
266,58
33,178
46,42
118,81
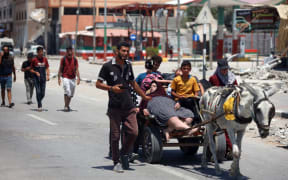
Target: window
x,y
70,11
4,13
86,11
101,12
83,11
10,11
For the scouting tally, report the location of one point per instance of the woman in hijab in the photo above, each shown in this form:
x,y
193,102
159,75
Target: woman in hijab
x,y
223,76
167,111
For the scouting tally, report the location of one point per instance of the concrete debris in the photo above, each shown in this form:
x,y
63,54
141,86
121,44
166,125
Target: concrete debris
x,y
263,77
278,131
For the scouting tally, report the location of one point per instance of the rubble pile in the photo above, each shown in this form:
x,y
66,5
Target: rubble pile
x,y
266,75
278,132
263,74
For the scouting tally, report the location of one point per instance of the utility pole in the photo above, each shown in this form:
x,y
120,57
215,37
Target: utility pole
x,y
204,50
77,22
105,29
210,40
94,26
46,26
178,32
26,27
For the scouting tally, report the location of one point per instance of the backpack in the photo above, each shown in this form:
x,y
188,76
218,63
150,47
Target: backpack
x,y
64,60
145,85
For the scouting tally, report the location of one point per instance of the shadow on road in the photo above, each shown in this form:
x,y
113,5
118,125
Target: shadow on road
x,y
109,168
284,147
192,164
36,110
63,110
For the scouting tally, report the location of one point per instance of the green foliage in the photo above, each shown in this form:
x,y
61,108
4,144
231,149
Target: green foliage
x,y
193,11
114,48
152,51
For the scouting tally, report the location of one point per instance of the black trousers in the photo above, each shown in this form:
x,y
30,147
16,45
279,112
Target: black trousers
x,y
40,86
193,105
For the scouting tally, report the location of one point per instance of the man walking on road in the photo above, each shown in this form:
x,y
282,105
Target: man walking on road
x,y
118,74
68,70
28,77
40,69
7,67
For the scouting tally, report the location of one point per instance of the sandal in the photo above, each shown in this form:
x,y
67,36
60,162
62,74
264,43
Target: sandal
x,y
11,105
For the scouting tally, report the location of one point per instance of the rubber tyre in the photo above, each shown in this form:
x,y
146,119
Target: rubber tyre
x,y
220,143
189,150
152,147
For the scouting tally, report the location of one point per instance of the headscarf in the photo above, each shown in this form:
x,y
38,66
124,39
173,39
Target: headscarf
x,y
229,78
160,91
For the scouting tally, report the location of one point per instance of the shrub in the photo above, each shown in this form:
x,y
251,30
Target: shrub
x,y
152,51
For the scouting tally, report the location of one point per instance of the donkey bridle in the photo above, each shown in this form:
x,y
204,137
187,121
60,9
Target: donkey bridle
x,y
271,113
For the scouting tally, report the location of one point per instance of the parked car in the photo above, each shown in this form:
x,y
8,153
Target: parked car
x,y
33,49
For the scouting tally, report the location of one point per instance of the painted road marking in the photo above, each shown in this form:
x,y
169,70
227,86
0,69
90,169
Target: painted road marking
x,y
172,171
42,120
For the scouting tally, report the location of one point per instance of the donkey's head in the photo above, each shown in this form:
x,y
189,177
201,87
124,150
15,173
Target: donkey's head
x,y
263,109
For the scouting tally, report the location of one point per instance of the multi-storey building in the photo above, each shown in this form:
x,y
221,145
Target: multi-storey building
x,y
6,17
25,30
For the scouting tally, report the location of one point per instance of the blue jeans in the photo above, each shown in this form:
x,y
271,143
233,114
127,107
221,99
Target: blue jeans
x,y
6,82
40,86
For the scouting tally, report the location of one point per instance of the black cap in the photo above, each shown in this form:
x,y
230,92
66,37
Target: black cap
x,y
223,64
30,55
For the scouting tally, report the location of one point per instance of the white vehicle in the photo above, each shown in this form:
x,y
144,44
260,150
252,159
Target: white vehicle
x,y
33,49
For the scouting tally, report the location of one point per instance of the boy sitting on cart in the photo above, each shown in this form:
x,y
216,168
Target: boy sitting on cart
x,y
185,88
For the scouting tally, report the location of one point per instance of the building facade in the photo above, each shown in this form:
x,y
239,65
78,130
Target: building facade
x,y
25,30
6,17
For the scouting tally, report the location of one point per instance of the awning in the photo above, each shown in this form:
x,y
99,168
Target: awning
x,y
225,3
110,33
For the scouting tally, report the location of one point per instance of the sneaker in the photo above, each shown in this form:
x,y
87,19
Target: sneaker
x,y
40,109
3,104
125,161
133,157
118,168
29,102
69,109
66,109
110,154
11,105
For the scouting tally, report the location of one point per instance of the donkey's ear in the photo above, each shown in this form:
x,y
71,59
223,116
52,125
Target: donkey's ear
x,y
273,89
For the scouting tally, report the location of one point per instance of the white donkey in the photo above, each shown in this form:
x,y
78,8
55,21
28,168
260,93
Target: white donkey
x,y
250,103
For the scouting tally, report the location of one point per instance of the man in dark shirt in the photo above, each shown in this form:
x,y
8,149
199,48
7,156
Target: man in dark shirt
x,y
6,69
68,70
28,78
40,69
118,74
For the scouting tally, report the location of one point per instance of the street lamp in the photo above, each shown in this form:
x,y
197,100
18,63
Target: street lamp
x,y
178,31
105,29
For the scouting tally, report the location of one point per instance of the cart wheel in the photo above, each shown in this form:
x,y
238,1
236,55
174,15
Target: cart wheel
x,y
152,145
220,143
189,150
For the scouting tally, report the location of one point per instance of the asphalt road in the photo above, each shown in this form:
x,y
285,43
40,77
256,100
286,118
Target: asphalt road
x,y
58,145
